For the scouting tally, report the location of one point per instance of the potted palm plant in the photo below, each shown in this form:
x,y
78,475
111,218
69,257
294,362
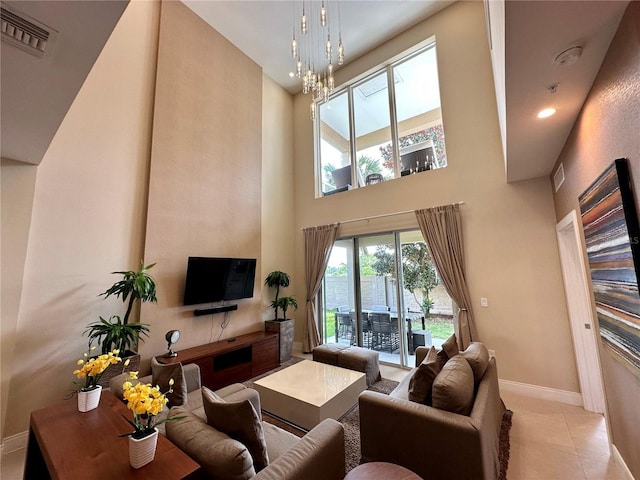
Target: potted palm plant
x,y
284,326
120,333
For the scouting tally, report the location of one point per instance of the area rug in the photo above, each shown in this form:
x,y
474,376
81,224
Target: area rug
x,y
351,423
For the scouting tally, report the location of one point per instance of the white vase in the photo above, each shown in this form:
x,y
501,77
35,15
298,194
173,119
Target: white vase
x,y
88,400
142,451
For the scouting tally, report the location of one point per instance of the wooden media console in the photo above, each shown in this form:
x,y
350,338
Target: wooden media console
x,y
230,361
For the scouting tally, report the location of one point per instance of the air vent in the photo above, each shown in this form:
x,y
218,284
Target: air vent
x,y
24,32
558,177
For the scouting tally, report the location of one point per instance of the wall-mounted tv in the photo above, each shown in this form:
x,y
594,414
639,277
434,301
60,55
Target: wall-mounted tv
x,y
213,279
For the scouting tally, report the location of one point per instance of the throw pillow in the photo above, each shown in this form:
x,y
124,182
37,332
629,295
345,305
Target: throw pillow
x,y
478,357
422,379
449,350
453,387
240,421
161,374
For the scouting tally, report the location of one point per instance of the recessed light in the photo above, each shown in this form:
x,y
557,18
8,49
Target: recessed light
x,y
291,74
547,112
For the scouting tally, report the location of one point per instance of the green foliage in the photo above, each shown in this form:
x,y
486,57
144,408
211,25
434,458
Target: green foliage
x,y
285,303
277,279
134,285
418,271
440,327
366,165
120,333
114,333
330,324
339,271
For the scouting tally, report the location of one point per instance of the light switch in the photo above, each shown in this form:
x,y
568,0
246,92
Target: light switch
x,y
484,302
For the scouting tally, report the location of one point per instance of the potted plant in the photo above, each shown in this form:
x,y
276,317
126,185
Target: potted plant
x,y
145,402
285,303
277,279
89,372
121,334
284,326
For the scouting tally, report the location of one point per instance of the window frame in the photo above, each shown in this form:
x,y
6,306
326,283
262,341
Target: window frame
x,y
348,88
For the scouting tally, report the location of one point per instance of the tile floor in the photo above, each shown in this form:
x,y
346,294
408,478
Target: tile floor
x,y
549,441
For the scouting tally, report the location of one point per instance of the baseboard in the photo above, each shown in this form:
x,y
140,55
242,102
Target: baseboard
x,y
621,463
14,442
544,393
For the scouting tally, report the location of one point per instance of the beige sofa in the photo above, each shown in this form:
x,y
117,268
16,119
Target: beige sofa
x,y
319,455
431,442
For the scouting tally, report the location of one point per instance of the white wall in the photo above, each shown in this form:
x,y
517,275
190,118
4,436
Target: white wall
x,y
277,187
509,229
88,216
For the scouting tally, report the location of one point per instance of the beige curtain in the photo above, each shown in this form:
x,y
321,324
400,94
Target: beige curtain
x,y
442,229
318,242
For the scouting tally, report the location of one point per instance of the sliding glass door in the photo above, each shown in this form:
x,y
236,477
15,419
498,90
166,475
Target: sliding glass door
x,y
382,292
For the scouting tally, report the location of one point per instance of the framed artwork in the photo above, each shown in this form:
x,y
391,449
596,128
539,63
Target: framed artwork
x,y
612,237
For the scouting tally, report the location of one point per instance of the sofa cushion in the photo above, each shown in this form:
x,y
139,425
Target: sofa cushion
x,y
220,456
161,374
478,357
278,440
453,387
449,350
422,378
240,421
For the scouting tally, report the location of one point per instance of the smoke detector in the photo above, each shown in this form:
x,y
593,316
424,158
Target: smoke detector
x,y
568,56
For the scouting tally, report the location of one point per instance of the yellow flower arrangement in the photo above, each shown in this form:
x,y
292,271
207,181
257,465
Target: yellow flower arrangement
x,y
145,402
92,368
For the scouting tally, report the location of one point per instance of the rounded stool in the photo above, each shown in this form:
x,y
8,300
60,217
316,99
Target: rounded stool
x,y
381,471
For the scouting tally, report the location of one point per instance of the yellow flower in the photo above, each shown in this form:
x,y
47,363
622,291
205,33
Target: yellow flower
x,y
93,368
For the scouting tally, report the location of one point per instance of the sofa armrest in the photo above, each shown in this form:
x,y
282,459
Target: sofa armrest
x,y
423,439
319,455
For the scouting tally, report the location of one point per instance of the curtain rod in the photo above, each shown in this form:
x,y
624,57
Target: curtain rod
x,y
382,215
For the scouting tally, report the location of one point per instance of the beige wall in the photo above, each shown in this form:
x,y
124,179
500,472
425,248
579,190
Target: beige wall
x,y
608,128
277,187
87,220
510,244
18,185
206,167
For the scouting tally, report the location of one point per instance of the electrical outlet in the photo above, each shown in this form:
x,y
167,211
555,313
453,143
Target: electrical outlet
x,y
484,302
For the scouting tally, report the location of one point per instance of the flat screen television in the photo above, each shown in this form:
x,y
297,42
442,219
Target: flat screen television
x,y
213,279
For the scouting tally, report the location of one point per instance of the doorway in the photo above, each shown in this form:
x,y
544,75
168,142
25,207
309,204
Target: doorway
x,y
578,297
381,292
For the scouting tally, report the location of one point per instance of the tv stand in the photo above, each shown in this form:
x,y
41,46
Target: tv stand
x,y
233,360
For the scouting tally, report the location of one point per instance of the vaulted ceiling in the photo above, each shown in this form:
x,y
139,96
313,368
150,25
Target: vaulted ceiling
x,y
36,93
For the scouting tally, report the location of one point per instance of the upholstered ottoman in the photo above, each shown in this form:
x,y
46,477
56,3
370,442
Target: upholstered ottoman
x,y
361,360
328,353
352,358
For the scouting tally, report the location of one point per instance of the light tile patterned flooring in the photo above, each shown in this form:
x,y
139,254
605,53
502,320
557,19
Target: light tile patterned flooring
x,y
549,441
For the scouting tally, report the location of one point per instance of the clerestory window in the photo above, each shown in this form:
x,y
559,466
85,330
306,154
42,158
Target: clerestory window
x,y
381,127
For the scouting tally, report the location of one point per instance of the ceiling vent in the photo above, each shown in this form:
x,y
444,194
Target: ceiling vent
x,y
558,177
24,32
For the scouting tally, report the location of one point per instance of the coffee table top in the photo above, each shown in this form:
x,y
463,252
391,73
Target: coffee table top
x,y
311,382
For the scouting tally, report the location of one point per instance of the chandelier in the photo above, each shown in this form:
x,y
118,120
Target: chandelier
x,y
312,48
